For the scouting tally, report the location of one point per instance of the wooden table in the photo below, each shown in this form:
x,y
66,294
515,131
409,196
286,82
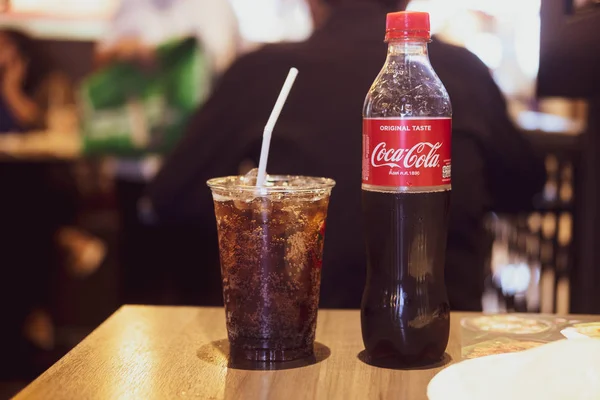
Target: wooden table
x,y
149,353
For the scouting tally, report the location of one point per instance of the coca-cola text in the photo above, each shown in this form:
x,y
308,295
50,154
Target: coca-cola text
x,y
414,157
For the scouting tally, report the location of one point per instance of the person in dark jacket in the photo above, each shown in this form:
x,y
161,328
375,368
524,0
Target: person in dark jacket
x,y
319,133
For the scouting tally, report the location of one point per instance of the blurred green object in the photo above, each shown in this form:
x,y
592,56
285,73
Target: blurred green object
x,y
132,110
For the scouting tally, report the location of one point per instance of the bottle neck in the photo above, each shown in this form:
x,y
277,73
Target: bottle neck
x,y
412,48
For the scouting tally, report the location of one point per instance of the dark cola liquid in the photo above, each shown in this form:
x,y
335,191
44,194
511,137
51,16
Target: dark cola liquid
x,y
271,252
405,313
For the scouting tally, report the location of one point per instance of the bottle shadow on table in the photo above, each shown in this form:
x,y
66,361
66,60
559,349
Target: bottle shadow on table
x,y
397,365
217,353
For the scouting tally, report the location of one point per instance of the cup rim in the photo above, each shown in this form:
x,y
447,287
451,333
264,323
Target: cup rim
x,y
233,182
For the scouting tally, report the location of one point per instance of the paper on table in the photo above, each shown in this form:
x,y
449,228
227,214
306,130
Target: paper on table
x,y
587,330
509,333
563,370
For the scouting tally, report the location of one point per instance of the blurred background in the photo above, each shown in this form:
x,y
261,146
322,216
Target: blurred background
x,y
538,256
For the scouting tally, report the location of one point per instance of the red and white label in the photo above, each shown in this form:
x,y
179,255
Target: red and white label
x,y
407,152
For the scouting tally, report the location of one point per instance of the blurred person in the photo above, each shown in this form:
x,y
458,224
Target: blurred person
x,y
139,26
36,97
33,204
29,84
136,30
319,133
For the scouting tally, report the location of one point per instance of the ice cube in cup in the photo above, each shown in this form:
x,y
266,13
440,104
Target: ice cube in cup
x,y
250,177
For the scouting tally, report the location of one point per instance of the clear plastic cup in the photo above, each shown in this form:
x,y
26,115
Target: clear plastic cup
x,y
271,247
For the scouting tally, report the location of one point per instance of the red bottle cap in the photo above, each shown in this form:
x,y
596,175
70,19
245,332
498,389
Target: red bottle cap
x,y
407,25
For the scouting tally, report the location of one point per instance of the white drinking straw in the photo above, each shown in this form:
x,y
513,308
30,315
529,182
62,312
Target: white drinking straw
x,y
268,132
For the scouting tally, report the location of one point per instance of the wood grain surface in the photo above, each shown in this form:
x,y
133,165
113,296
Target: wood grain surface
x,y
144,352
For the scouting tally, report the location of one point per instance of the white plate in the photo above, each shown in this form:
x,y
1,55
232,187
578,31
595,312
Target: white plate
x,y
563,370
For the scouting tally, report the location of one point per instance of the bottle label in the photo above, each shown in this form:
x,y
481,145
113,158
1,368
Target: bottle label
x,y
407,153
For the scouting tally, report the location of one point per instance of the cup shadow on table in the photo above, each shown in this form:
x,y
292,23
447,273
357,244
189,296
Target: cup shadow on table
x,y
391,364
217,353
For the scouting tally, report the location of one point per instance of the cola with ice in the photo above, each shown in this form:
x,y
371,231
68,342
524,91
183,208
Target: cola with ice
x,y
271,246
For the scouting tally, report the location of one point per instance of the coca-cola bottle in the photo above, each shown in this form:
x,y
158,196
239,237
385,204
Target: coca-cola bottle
x,y
405,313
